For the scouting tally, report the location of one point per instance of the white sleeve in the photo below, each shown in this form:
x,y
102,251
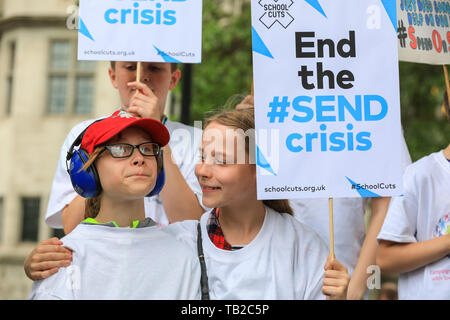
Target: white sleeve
x,y
195,292
400,224
314,289
312,256
43,296
55,287
184,231
316,258
62,192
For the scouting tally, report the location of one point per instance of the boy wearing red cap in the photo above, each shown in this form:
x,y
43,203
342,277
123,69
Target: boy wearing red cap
x,y
113,244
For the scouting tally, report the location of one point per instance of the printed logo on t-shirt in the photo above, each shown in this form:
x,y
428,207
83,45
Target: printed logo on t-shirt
x,y
439,271
442,227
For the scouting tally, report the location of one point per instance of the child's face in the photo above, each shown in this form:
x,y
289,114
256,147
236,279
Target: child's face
x,y
157,76
128,178
224,180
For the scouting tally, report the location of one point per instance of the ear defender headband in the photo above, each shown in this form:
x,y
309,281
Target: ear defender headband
x,y
87,182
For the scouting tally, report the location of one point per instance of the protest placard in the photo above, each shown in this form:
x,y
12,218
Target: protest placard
x,y
140,30
424,31
327,103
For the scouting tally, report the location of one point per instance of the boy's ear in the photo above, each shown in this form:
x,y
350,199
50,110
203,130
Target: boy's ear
x,y
176,75
112,77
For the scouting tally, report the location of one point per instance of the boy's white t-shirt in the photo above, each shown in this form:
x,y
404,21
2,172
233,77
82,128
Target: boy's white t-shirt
x,y
423,213
348,218
284,261
184,142
123,263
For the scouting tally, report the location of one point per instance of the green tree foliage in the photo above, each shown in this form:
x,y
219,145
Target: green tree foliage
x,y
425,127
226,67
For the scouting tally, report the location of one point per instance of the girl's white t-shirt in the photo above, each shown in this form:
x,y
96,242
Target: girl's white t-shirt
x,y
423,213
124,263
284,261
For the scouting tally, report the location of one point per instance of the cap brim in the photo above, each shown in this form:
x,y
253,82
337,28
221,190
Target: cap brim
x,y
157,131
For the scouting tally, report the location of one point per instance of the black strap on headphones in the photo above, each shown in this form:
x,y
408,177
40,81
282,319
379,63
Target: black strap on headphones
x,y
204,276
77,142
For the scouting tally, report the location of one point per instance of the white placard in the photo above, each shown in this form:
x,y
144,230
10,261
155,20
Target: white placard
x,y
140,30
424,31
326,98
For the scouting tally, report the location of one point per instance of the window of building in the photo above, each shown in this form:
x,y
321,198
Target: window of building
x,y
10,76
30,218
71,82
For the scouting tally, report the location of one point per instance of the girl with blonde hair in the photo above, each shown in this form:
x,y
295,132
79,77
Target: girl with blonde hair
x,y
255,249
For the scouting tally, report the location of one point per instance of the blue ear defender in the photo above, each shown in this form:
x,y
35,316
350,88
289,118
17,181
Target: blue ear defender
x,y
87,182
161,178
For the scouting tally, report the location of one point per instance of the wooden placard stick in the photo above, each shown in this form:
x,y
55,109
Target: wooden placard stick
x,y
330,207
447,83
138,71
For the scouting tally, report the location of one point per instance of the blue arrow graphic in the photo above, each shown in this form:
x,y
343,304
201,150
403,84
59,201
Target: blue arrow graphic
x,y
259,45
166,57
316,5
363,192
262,161
84,30
391,9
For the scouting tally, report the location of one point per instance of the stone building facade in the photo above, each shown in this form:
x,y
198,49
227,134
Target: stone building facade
x,y
44,92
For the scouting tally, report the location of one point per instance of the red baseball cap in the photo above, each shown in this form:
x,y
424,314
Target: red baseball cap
x,y
103,130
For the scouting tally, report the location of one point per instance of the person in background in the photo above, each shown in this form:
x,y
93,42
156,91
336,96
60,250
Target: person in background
x,y
415,238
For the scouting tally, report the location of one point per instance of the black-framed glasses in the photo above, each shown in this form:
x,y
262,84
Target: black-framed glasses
x,y
125,150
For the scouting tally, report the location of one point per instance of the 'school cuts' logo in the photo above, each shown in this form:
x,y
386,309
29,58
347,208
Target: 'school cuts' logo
x,y
276,11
